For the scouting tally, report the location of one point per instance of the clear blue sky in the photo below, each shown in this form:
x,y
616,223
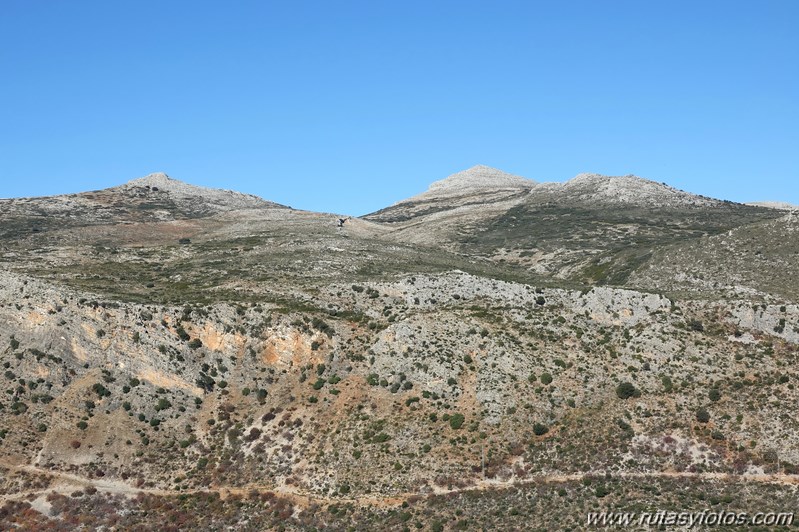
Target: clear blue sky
x,y
350,106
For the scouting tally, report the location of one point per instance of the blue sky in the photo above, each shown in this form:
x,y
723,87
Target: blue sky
x,y
350,106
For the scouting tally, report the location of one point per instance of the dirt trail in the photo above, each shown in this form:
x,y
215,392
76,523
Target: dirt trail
x,y
67,483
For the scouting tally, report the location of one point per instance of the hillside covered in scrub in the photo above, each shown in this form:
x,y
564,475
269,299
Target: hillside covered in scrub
x,y
476,356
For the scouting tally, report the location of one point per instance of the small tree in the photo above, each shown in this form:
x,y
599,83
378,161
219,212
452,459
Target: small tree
x,y
182,334
702,415
625,390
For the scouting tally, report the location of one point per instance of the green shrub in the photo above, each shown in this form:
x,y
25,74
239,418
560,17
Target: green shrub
x,y
625,390
702,415
182,334
456,421
546,378
695,325
540,429
100,390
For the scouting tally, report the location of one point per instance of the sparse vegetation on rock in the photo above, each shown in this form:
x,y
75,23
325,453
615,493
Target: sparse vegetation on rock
x,y
182,344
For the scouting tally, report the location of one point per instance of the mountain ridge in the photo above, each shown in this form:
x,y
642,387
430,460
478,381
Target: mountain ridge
x,y
478,179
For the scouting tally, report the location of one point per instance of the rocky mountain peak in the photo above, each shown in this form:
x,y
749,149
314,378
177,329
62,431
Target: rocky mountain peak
x,y
212,198
154,179
629,189
480,176
162,181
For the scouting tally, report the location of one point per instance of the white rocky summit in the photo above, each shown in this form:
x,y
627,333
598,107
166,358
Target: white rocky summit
x,y
216,198
161,181
480,177
586,187
627,189
154,179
